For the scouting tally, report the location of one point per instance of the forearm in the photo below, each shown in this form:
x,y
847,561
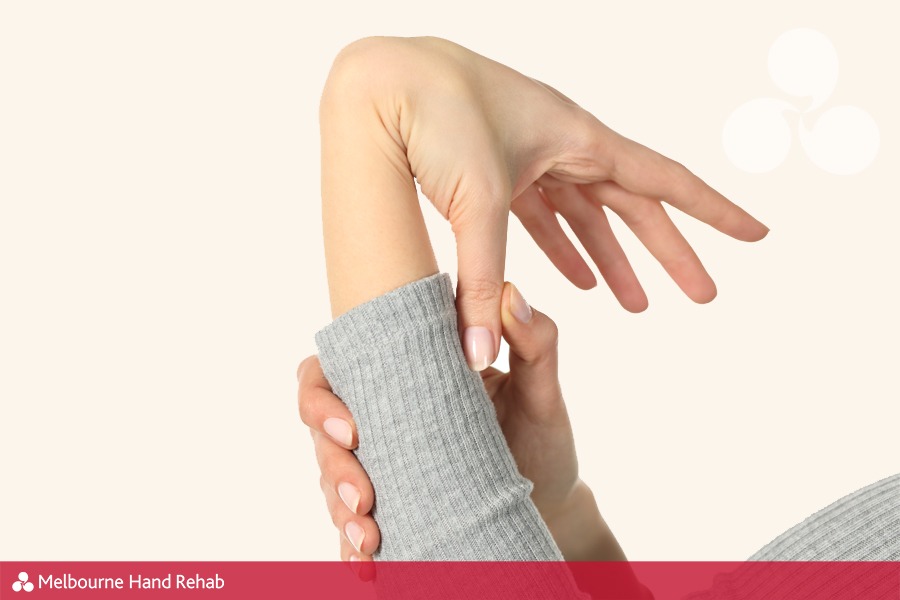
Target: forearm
x,y
446,484
375,236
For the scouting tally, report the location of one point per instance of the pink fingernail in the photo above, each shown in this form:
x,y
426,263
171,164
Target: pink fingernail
x,y
349,494
339,429
355,534
479,346
517,305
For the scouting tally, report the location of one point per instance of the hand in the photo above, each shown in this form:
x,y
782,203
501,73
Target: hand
x,y
532,415
482,139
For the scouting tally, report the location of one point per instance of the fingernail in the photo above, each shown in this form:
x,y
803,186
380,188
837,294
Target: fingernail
x,y
349,494
355,565
479,346
339,429
517,305
355,534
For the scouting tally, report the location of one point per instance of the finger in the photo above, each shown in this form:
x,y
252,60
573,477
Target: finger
x,y
348,552
653,227
541,223
494,379
492,373
643,171
343,473
590,224
361,564
532,338
480,228
360,531
320,409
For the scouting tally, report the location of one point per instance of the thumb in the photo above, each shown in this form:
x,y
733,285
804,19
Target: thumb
x,y
481,255
532,338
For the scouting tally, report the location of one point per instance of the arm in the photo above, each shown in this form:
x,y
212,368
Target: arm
x,y
427,430
447,485
375,236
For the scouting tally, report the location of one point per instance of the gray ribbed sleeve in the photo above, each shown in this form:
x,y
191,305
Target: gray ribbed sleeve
x,y
861,526
446,484
864,525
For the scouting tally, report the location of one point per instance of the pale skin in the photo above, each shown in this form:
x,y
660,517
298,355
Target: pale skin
x,y
482,140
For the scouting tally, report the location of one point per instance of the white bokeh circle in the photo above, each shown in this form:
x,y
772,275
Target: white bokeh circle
x,y
844,140
804,63
756,136
17,586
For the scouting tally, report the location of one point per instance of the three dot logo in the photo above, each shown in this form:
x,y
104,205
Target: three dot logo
x,y
842,140
22,584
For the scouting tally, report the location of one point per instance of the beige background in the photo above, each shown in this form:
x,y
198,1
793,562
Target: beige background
x,y
162,274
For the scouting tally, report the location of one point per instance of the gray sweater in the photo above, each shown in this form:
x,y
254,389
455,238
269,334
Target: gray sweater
x,y
447,486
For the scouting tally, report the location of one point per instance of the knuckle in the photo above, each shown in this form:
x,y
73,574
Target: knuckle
x,y
550,346
641,212
480,290
305,364
356,56
552,332
311,405
332,464
326,464
304,404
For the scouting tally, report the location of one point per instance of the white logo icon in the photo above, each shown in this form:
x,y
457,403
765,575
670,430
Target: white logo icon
x,y
842,140
23,584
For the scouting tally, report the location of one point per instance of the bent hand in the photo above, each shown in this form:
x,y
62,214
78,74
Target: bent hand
x,y
535,423
482,139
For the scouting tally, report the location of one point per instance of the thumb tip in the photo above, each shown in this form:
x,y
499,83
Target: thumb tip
x,y
515,304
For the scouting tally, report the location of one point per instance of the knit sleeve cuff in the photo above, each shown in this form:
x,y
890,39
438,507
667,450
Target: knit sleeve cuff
x,y
406,309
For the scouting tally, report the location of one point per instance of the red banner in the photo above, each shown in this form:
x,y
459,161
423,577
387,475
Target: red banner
x,y
445,580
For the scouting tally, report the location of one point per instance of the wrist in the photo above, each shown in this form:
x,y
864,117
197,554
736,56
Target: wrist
x,y
579,529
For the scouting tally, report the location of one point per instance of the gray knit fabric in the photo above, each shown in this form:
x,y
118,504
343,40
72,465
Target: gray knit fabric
x,y
864,525
861,526
446,484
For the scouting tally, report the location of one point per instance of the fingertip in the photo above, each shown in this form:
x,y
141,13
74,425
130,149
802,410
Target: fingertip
x,y
753,233
637,308
588,283
480,347
706,296
633,300
518,307
341,431
366,498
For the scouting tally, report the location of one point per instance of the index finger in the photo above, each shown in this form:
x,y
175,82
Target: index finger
x,y
320,409
648,173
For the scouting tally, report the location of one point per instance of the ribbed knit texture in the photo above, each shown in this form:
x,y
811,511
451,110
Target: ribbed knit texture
x,y
863,525
446,484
